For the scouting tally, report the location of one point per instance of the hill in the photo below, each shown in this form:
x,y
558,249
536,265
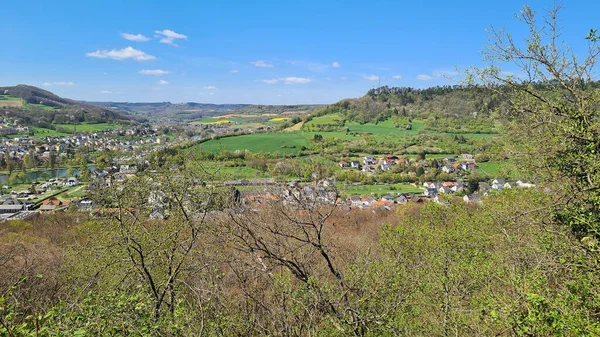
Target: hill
x,y
445,109
40,107
192,111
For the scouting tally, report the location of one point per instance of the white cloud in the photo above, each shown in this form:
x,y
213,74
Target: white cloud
x,y
212,93
343,78
262,64
296,80
168,36
135,37
335,64
106,92
424,77
234,71
162,82
210,87
287,80
121,54
371,77
397,77
157,72
63,84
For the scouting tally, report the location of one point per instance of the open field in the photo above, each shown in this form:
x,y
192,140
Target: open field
x,y
332,119
85,127
494,168
284,142
43,132
10,98
377,190
229,116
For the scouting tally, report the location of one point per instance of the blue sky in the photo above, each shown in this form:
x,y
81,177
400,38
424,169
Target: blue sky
x,y
267,52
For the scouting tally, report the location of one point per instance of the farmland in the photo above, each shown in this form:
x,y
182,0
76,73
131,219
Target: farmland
x,y
283,142
88,127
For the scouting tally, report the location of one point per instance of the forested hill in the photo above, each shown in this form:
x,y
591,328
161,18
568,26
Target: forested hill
x,y
41,107
442,101
191,110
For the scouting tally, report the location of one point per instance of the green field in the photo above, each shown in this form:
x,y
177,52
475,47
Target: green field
x,y
259,142
86,127
493,168
217,120
324,120
378,190
9,98
41,106
43,132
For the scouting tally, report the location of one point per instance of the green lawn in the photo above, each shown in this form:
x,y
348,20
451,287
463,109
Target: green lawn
x,y
284,142
378,190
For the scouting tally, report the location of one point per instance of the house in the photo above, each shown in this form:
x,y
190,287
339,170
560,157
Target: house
x,y
369,160
344,164
430,192
355,164
401,200
356,200
467,156
525,185
387,198
450,160
12,206
85,204
417,200
445,189
448,169
497,181
472,199
385,166
52,204
71,182
509,185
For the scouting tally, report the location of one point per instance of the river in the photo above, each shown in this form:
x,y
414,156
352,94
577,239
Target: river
x,y
42,174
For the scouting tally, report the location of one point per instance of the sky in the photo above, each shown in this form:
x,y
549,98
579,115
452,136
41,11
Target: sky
x,y
257,52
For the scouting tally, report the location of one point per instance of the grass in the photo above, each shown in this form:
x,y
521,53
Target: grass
x,y
43,132
378,190
296,127
88,127
9,98
332,119
283,142
493,168
42,106
224,120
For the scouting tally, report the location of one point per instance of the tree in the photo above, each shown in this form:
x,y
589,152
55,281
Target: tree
x,y
52,159
155,228
30,160
553,112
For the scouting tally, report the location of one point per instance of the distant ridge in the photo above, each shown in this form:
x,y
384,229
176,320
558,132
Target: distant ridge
x,y
41,107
